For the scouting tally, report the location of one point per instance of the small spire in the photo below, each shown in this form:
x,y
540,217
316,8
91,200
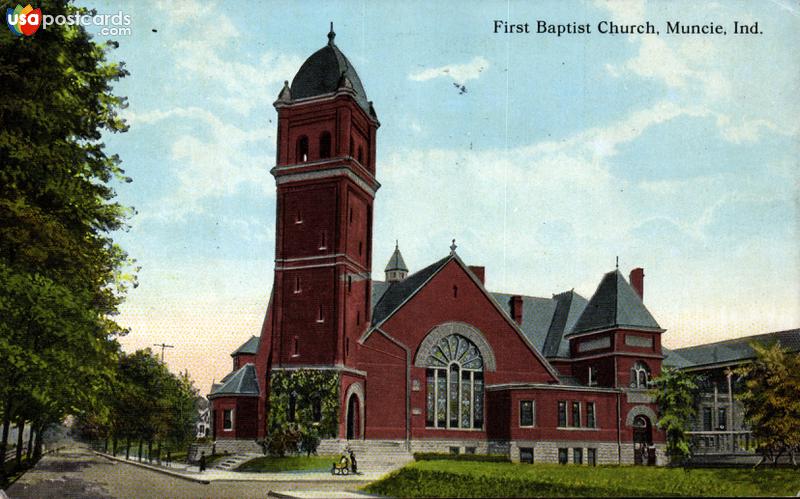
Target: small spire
x,y
331,35
453,247
285,94
396,244
617,262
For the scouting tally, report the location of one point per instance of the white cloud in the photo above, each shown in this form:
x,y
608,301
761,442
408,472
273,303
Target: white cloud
x,y
708,72
459,73
211,163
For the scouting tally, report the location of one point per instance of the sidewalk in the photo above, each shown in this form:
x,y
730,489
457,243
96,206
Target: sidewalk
x,y
213,475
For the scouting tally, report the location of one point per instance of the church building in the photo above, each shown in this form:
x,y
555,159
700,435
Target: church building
x,y
430,360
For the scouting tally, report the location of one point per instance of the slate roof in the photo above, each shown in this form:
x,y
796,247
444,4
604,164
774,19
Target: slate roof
x,y
615,304
673,359
545,321
397,292
248,347
321,72
396,261
243,381
735,350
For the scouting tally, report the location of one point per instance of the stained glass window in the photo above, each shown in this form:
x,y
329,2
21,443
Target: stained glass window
x,y
454,384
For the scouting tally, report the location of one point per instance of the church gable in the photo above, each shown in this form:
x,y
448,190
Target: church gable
x,y
447,293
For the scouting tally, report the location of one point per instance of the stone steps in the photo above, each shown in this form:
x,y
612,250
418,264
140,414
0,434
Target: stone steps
x,y
233,461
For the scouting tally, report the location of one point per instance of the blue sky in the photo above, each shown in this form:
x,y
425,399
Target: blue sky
x,y
676,153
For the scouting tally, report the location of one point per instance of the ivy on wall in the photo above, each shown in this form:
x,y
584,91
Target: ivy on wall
x,y
308,386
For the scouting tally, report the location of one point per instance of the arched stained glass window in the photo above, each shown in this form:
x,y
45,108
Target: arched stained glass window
x,y
454,384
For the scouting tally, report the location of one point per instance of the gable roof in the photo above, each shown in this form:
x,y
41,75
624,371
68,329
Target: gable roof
x,y
569,307
248,347
734,350
243,381
615,304
398,292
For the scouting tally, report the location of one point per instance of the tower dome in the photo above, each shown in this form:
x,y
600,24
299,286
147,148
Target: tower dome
x,y
327,71
396,269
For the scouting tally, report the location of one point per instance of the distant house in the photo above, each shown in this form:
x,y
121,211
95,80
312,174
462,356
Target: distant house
x,y
203,422
720,431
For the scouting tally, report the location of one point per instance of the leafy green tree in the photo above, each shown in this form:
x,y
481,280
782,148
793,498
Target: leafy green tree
x,y
61,275
771,399
676,394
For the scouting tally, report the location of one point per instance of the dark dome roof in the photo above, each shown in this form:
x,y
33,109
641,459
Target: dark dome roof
x,y
322,72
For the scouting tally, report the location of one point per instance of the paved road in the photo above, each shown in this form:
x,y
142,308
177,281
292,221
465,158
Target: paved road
x,y
79,473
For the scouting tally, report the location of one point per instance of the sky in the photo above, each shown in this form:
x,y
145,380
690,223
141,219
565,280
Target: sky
x,y
676,153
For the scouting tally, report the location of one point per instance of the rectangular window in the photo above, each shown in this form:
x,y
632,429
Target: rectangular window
x,y
477,401
227,419
591,457
295,347
320,315
708,423
297,288
591,421
349,283
430,397
455,450
577,455
358,318
563,455
351,214
346,347
323,240
592,377
576,414
298,217
562,413
526,455
470,450
722,418
526,413
316,409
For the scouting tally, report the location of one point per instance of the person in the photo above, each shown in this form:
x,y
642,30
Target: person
x,y
353,465
202,461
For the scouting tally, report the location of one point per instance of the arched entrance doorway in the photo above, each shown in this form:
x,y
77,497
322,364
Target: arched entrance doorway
x,y
353,413
643,450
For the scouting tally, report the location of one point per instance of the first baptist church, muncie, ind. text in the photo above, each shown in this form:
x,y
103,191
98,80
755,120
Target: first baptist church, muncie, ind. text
x,y
430,360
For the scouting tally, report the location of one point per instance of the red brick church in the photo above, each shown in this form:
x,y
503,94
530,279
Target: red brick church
x,y
430,359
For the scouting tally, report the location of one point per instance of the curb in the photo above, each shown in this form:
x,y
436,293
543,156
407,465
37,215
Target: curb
x,y
154,468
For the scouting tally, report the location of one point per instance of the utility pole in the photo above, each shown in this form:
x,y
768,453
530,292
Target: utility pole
x,y
163,346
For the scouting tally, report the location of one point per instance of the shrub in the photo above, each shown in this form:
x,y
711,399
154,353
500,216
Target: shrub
x,y
309,440
443,456
283,440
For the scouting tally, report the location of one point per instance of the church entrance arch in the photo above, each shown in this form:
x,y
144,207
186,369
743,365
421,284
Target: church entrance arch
x,y
352,418
643,450
354,412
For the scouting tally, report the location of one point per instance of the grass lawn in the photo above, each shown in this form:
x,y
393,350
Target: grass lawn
x,y
289,463
473,479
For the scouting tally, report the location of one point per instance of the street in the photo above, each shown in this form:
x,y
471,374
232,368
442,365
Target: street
x,y
79,473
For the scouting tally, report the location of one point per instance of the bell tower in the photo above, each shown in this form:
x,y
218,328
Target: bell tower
x,y
325,178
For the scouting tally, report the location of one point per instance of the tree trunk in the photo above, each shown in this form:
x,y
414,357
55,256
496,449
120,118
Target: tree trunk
x,y
30,443
20,440
127,449
4,440
140,450
37,447
149,451
114,445
158,452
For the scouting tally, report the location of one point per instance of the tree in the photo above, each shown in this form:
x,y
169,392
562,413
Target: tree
x,y
676,392
771,399
61,275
